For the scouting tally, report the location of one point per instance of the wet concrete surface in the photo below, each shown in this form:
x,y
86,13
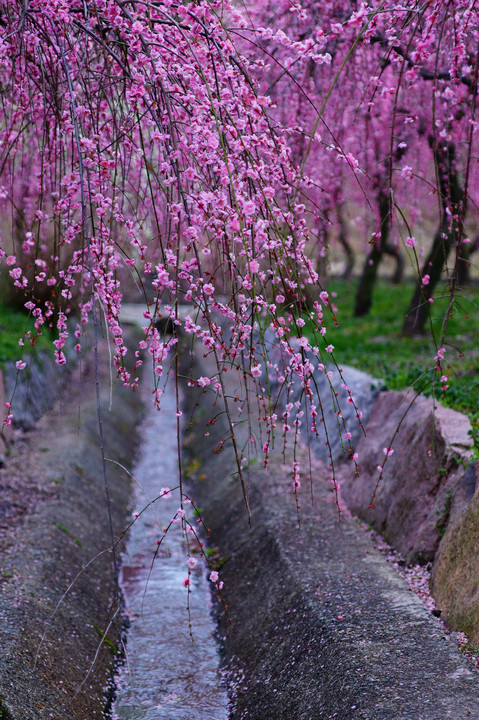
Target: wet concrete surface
x,y
57,589
171,668
319,625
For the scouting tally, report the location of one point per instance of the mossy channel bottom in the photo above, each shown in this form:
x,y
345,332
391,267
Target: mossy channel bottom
x,y
166,675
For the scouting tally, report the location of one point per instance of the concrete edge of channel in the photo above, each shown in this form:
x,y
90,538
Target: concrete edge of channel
x,y
60,616
318,624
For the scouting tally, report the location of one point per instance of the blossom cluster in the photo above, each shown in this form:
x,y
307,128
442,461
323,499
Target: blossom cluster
x,y
187,148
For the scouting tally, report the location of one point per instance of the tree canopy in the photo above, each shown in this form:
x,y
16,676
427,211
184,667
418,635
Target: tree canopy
x,y
201,149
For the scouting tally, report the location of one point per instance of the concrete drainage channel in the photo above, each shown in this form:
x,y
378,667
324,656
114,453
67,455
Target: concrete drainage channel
x,y
62,623
322,627
172,667
318,625
59,619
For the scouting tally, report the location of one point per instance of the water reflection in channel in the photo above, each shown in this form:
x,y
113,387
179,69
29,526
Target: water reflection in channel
x,y
166,676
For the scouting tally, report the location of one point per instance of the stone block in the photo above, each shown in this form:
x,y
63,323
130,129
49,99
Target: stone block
x,y
364,389
412,504
455,575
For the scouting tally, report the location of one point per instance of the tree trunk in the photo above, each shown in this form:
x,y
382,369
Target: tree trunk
x,y
364,293
343,239
419,307
446,236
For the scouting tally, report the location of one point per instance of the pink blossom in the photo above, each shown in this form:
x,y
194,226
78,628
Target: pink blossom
x,y
209,190
60,358
16,273
407,173
214,576
249,208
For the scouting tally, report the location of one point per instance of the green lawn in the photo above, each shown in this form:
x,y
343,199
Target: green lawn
x,y
13,325
374,343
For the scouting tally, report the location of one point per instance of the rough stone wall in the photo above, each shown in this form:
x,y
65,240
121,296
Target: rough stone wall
x,y
413,501
335,414
427,504
455,576
35,389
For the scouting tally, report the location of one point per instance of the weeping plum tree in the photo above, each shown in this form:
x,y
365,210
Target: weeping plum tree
x,y
196,148
365,86
136,142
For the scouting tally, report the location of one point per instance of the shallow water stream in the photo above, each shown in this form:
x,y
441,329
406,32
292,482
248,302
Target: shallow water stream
x,y
166,675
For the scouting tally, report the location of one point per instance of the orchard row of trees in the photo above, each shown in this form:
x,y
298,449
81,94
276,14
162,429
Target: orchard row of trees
x,y
380,100
209,152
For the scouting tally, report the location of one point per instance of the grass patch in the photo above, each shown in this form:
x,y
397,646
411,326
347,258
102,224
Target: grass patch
x,y
374,343
70,534
13,326
110,644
